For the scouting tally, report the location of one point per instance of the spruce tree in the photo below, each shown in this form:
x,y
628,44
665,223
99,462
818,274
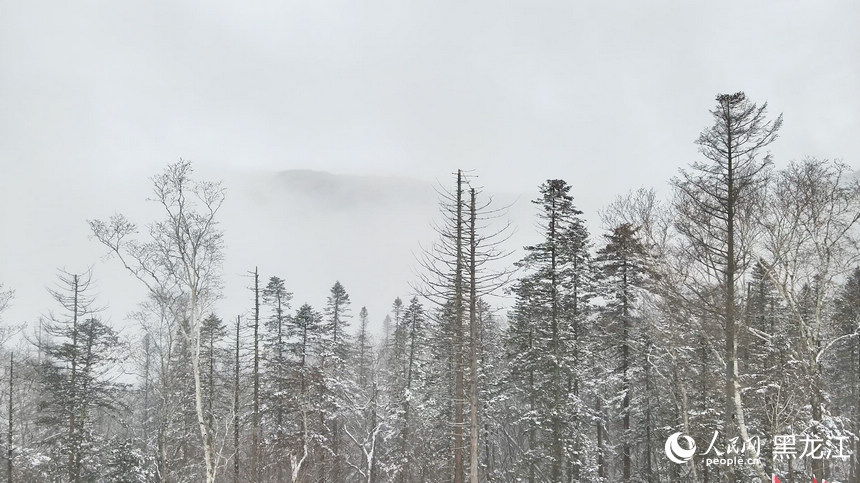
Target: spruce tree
x,y
278,394
624,272
552,298
76,383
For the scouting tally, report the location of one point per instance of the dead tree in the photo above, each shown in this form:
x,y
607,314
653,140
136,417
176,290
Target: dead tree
x,y
457,272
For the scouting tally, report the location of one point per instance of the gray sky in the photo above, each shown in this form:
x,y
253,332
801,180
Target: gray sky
x,y
97,96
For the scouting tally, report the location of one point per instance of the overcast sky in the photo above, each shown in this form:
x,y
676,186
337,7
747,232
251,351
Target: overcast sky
x,y
97,96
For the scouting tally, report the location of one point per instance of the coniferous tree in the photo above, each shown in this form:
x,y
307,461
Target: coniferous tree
x,y
277,393
716,202
847,307
214,359
334,353
76,379
10,417
412,328
625,270
363,425
444,283
364,348
457,272
309,443
732,313
236,407
552,299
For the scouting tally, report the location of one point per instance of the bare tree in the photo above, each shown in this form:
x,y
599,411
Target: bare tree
x,y
9,430
5,298
161,379
457,272
236,409
442,283
810,245
179,264
255,415
715,204
7,331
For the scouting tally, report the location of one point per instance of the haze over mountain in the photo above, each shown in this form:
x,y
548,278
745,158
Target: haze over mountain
x,y
312,228
308,227
97,97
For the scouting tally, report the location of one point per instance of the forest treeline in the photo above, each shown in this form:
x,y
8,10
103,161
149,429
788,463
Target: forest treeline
x,y
728,313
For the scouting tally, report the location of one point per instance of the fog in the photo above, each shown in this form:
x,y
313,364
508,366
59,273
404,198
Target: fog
x,y
388,98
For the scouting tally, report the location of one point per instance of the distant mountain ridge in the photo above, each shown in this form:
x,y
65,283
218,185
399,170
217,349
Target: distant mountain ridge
x,y
347,191
313,227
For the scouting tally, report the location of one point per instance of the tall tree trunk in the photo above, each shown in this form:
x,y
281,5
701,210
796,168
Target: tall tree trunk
x,y
211,380
855,467
255,435
279,419
74,447
649,471
473,348
735,420
574,465
371,465
459,392
406,449
335,430
557,447
236,405
146,385
818,465
9,430
193,337
703,390
684,410
532,407
730,333
165,368
625,379
205,433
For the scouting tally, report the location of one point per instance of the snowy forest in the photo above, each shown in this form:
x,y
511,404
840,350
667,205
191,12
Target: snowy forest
x,y
728,312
